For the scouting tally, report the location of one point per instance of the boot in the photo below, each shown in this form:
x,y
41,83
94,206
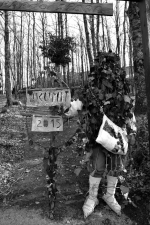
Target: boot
x,y
109,197
91,201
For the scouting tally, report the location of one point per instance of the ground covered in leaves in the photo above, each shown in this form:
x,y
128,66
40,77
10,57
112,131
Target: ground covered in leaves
x,y
23,195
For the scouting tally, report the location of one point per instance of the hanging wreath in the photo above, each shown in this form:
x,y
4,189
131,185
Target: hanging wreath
x,y
57,49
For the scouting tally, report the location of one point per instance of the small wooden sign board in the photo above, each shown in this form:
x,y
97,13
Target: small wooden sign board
x,y
48,97
47,123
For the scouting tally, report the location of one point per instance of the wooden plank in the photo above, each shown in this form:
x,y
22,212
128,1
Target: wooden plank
x,y
130,0
58,7
144,7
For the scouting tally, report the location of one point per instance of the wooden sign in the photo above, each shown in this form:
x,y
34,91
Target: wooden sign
x,y
49,97
47,123
105,9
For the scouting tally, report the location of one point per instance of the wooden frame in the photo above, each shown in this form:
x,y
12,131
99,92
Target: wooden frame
x,y
105,9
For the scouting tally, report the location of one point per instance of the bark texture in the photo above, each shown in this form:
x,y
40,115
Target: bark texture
x,y
7,62
88,44
139,75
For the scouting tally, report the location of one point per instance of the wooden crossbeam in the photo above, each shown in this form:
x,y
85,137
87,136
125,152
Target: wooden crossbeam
x,y
105,9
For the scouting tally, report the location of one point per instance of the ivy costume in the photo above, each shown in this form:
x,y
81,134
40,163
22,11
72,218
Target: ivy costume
x,y
107,93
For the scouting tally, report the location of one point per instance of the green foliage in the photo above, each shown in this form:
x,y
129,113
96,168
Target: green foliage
x,y
57,49
105,92
141,152
138,166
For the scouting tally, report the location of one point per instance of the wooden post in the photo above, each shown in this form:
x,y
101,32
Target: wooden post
x,y
105,9
144,7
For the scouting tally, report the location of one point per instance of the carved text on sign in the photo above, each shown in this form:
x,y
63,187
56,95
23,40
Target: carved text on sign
x,y
58,7
49,97
47,123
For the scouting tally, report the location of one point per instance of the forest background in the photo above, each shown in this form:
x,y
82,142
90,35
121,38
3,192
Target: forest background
x,y
26,39
23,34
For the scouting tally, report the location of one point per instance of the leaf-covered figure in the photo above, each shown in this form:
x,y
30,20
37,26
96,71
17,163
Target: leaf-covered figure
x,y
107,93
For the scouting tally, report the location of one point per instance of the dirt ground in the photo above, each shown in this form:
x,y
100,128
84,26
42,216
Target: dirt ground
x,y
28,204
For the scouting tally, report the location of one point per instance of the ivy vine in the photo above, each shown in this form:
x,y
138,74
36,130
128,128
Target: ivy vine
x,y
104,93
57,49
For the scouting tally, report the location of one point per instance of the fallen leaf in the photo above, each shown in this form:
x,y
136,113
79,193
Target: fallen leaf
x,y
36,147
77,171
124,189
137,198
37,203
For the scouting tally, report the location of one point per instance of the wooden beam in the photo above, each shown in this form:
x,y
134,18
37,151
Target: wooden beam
x,y
105,9
130,0
144,7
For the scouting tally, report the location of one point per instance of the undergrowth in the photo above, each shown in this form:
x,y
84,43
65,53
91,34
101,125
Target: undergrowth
x,y
139,160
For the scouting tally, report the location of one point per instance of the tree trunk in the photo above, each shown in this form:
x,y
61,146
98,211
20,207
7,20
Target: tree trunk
x,y
97,32
92,27
117,22
61,26
72,56
124,31
108,36
21,52
66,25
34,52
43,35
82,54
103,34
139,75
7,62
78,65
68,75
87,35
130,56
14,55
18,64
28,50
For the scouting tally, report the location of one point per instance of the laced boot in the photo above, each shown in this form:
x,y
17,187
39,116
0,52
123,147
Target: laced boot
x,y
109,197
91,200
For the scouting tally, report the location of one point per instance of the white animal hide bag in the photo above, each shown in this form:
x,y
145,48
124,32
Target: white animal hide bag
x,y
112,137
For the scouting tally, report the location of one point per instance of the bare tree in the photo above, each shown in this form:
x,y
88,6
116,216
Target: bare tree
x,y
21,52
124,32
7,61
103,34
87,35
92,28
109,44
139,74
117,24
14,54
34,51
97,31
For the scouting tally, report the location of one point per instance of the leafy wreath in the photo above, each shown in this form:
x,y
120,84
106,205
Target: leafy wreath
x,y
57,49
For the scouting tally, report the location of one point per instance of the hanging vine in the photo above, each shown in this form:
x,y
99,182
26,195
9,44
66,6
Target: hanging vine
x,y
58,49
